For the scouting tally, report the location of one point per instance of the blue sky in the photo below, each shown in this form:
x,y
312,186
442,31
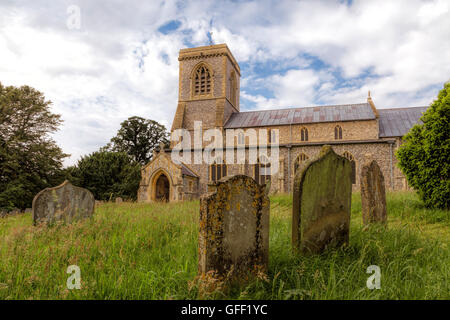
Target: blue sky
x,y
122,60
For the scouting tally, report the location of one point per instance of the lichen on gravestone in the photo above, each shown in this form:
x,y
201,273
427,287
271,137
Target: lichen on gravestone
x,y
373,194
322,203
234,228
65,203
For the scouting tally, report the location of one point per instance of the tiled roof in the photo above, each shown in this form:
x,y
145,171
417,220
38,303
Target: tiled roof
x,y
187,172
397,122
347,112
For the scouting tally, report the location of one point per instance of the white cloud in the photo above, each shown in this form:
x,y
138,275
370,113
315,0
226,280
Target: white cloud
x,y
118,64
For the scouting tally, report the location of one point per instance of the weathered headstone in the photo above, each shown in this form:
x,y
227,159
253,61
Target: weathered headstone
x,y
98,203
12,212
234,228
373,194
62,203
119,200
321,203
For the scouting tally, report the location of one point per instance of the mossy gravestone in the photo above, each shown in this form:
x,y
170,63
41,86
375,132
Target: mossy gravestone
x,y
234,228
321,203
62,203
373,194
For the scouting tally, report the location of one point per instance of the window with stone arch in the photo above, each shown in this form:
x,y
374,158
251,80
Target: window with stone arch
x,y
338,132
304,134
241,138
350,157
233,89
217,170
300,159
262,170
202,80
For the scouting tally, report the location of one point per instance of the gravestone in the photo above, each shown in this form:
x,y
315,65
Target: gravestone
x,y
234,228
373,194
119,200
5,213
62,203
98,203
321,203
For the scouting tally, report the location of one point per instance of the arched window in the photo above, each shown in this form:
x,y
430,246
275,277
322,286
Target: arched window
x,y
300,159
202,80
217,171
304,134
337,133
262,171
233,86
350,157
241,138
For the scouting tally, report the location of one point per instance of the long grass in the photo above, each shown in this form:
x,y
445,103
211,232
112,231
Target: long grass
x,y
149,251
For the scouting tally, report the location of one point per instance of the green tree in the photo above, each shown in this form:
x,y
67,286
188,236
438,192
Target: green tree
x,y
424,157
30,160
138,137
107,175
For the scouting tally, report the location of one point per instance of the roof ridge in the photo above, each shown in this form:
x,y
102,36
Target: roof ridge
x,y
402,108
293,108
189,169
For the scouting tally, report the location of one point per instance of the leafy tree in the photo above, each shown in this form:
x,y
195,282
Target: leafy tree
x,y
138,137
424,157
107,175
30,160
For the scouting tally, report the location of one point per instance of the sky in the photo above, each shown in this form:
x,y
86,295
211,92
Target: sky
x,y
103,61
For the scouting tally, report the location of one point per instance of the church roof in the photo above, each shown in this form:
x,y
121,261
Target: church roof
x,y
346,112
397,122
187,172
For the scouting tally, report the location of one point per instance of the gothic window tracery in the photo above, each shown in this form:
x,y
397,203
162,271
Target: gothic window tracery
x,y
202,80
262,171
304,134
300,159
217,171
350,157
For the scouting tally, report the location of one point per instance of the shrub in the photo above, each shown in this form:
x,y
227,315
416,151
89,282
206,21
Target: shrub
x,y
424,157
107,175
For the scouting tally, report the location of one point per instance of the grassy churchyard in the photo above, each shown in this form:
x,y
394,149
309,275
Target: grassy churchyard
x,y
149,251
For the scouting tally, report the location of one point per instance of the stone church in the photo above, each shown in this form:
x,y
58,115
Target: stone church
x,y
209,86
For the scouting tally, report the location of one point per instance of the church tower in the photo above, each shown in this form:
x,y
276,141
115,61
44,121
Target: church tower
x,y
208,89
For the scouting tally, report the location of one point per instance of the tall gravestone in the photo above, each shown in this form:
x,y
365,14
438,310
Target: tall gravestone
x,y
234,228
373,194
62,203
322,203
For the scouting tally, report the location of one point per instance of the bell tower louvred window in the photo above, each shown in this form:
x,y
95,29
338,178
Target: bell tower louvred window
x,y
202,81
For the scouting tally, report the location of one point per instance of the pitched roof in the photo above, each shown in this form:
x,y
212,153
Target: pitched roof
x,y
347,112
187,172
397,122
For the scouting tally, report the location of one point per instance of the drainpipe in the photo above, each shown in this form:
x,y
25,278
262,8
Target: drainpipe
x,y
289,157
392,173
289,169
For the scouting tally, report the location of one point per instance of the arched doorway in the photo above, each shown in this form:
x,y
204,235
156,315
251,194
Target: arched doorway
x,y
162,188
